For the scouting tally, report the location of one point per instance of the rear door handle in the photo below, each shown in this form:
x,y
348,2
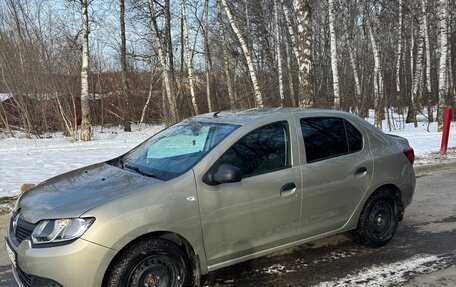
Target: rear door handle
x,y
288,189
360,171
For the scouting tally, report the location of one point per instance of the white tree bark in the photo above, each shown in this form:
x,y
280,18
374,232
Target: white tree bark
x,y
278,51
378,78
173,115
335,71
417,78
189,58
399,49
226,63
290,74
294,42
303,11
291,30
246,52
427,47
149,96
85,105
207,64
443,43
355,73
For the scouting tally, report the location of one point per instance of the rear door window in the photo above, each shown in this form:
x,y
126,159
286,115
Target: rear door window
x,y
327,137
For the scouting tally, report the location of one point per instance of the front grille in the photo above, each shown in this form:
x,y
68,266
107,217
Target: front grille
x,y
20,229
24,230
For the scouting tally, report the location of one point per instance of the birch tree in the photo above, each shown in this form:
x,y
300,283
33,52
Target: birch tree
x,y
418,67
159,47
335,72
225,60
378,78
278,51
246,52
85,105
443,43
428,60
207,61
399,49
303,15
189,58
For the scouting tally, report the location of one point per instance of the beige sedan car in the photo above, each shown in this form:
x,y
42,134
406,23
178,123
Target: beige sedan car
x,y
209,192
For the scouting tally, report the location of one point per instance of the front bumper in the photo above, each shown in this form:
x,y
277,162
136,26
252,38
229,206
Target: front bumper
x,y
80,263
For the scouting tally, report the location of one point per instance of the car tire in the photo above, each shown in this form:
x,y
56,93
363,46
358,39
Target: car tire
x,y
378,221
154,262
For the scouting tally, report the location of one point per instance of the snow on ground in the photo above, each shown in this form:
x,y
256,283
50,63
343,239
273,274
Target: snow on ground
x,y
25,160
34,160
393,273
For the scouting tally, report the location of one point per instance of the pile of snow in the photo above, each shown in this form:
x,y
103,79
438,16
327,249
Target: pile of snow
x,y
25,160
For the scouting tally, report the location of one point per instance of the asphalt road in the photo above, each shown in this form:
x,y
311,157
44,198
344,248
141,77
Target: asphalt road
x,y
423,252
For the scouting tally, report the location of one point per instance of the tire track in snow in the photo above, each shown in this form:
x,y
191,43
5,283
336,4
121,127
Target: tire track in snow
x,y
395,273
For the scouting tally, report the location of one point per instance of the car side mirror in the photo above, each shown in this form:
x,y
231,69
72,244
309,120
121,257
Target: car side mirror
x,y
225,173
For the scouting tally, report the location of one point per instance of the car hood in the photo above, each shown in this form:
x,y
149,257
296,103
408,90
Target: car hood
x,y
74,193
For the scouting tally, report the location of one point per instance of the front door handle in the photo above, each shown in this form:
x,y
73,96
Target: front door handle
x,y
288,189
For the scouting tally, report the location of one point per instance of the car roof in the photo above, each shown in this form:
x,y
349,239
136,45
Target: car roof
x,y
244,117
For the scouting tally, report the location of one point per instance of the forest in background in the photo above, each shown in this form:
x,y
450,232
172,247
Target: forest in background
x,y
69,64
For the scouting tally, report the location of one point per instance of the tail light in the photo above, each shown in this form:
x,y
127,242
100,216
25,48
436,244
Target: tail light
x,y
410,154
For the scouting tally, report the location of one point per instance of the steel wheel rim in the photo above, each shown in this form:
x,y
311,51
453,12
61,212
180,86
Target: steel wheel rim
x,y
154,272
381,220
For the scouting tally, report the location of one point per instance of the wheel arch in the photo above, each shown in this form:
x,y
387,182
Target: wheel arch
x,y
173,237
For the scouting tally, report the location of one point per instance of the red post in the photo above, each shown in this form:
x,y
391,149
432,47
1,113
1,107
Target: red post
x,y
446,130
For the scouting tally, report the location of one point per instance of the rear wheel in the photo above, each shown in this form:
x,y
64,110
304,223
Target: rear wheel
x,y
151,263
378,221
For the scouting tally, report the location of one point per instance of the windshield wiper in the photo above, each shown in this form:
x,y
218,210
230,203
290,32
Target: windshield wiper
x,y
136,169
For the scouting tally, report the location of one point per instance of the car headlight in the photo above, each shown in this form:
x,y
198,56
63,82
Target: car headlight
x,y
60,230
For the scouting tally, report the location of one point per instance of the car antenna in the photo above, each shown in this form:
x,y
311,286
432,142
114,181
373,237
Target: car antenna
x,y
215,115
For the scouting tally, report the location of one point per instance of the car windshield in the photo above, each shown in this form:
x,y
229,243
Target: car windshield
x,y
176,149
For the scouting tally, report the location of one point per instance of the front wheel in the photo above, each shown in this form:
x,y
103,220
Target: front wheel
x,y
151,263
378,221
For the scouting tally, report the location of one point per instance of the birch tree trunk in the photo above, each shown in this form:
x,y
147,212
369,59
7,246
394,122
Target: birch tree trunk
x,y
427,47
246,52
149,96
443,42
291,91
278,51
428,91
189,58
378,78
335,72
207,61
173,115
85,105
304,43
226,63
294,44
418,68
399,50
123,64
291,31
